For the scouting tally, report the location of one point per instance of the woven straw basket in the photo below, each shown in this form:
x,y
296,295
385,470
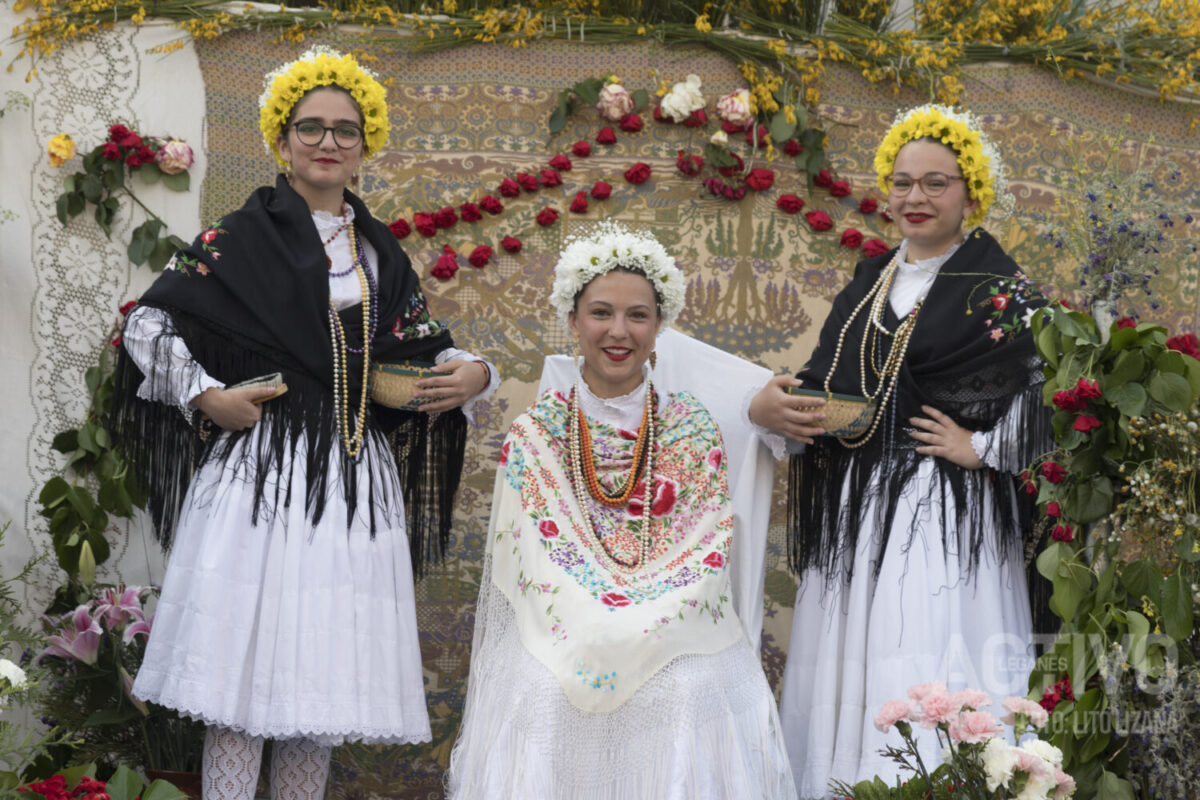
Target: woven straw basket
x,y
393,385
847,416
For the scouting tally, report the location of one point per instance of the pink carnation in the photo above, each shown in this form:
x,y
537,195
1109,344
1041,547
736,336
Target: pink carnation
x,y
918,692
974,727
973,699
1065,784
892,712
1020,705
937,709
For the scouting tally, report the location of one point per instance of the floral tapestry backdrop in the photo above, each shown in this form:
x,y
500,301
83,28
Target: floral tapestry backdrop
x,y
760,280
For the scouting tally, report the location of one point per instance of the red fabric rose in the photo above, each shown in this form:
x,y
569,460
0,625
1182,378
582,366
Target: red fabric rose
x,y
126,307
560,161
445,217
789,203
1069,401
714,559
631,123
548,528
868,205
875,247
1062,533
1053,472
511,244
761,132
638,173
1187,344
606,136
688,164
117,132
424,224
491,204
840,188
851,238
527,182
819,220
615,600
546,217
1086,423
550,177
400,228
1053,509
504,452
579,204
792,148
480,256
823,179
697,119
760,179
112,151
601,190
1126,322
470,212
446,266
1000,301
581,149
509,188
738,167
1087,389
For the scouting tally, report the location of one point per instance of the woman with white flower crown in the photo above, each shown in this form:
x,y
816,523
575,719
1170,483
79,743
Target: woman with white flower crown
x,y
295,519
908,532
608,662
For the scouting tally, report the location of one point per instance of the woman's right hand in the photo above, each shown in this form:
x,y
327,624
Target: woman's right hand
x,y
794,416
233,409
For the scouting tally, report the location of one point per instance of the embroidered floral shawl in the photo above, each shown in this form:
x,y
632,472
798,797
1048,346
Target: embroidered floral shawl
x,y
603,632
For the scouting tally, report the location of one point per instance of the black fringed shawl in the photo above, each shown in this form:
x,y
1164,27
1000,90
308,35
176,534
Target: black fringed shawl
x,y
250,297
970,355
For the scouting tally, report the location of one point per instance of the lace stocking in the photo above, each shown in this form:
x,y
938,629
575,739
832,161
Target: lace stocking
x,y
231,762
299,769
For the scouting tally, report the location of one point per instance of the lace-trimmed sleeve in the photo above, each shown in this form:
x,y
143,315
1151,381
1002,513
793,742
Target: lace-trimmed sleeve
x,y
172,376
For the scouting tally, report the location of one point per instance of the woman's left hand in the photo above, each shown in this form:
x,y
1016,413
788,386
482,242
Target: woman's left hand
x,y
458,382
944,438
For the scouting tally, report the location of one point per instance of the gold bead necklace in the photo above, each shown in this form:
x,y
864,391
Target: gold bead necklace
x,y
351,442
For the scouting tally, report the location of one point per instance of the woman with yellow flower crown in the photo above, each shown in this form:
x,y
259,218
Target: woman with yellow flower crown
x,y
907,532
287,611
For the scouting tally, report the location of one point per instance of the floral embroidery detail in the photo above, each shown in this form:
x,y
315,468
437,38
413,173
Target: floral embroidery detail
x,y
548,528
1006,305
185,264
664,498
415,322
713,459
615,600
715,560
605,682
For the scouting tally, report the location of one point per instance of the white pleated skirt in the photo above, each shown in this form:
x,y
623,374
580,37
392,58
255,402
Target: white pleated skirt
x,y
854,646
285,629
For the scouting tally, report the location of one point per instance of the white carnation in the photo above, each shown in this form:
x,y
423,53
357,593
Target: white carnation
x,y
1045,751
14,674
999,760
683,99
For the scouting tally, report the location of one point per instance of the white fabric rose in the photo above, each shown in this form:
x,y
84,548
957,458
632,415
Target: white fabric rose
x,y
683,99
615,102
735,108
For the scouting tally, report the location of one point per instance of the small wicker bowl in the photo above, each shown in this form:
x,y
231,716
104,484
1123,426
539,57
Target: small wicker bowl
x,y
393,385
846,415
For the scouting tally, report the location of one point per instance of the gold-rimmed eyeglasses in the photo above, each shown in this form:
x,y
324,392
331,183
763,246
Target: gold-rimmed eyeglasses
x,y
313,133
932,183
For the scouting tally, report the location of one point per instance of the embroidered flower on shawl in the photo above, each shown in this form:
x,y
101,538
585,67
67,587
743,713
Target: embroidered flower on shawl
x,y
415,322
714,559
664,498
714,458
566,556
548,528
504,453
615,600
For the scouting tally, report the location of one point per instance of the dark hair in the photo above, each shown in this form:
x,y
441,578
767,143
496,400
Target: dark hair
x,y
631,271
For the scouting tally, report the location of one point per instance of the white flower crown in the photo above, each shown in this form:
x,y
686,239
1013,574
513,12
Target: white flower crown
x,y
609,245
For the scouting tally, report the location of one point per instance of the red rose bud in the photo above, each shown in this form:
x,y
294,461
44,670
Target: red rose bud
x,y
111,151
1087,389
761,132
126,307
792,148
689,164
875,247
760,179
1062,533
1069,401
480,256
1187,344
730,127
579,204
561,162
823,179
661,117
1053,509
738,167
470,212
840,188
1126,322
631,123
117,132
1053,472
509,188
581,149
601,190
546,217
527,182
133,159
446,267
868,205
491,204
696,119
445,217
606,136
1086,423
885,215
1000,301
819,220
400,228
424,224
638,173
789,203
714,185
550,177
511,244
1027,482
851,238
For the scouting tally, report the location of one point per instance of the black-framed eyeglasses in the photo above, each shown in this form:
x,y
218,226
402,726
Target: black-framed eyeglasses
x,y
932,183
312,133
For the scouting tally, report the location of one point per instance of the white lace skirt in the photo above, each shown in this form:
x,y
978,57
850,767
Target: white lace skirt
x,y
284,630
705,727
855,646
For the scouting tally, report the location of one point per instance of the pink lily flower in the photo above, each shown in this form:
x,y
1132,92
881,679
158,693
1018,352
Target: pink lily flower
x,y
142,626
127,686
118,608
79,637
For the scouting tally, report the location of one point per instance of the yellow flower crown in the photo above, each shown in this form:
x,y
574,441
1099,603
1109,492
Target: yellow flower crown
x,y
322,66
961,131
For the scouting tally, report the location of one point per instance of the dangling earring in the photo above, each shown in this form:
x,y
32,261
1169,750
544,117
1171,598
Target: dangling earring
x,y
354,179
653,359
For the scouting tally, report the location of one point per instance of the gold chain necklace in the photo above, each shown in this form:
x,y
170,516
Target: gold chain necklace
x,y
351,442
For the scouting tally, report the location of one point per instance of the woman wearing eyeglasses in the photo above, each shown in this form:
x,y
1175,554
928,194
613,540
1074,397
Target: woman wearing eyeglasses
x,y
907,536
287,611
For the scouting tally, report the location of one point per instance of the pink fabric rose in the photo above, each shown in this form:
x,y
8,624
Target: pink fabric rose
x,y
734,108
615,102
